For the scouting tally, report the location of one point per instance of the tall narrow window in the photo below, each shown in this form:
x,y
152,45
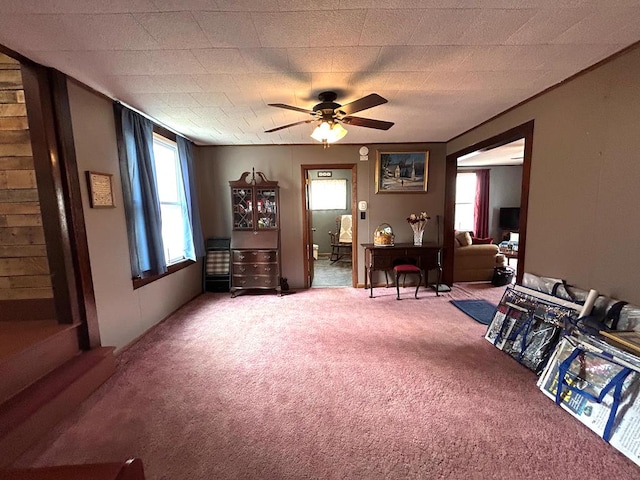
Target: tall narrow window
x,y
465,200
328,194
160,201
173,209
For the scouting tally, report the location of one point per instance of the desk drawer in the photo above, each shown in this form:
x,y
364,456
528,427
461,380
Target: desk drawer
x,y
254,268
253,256
255,281
382,262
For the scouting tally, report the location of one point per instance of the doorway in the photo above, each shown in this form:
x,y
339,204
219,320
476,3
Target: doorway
x,y
329,225
488,191
524,134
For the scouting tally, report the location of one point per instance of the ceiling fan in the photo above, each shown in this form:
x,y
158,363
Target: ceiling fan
x,y
330,115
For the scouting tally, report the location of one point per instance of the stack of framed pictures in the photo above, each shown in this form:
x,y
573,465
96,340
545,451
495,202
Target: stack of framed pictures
x,y
528,324
594,380
599,385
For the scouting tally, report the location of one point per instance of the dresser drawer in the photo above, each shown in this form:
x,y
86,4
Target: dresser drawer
x,y
254,268
255,281
252,256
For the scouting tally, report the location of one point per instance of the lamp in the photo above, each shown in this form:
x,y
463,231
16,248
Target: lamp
x,y
328,132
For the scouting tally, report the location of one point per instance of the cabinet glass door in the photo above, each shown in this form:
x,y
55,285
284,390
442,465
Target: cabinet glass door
x,y
242,201
266,205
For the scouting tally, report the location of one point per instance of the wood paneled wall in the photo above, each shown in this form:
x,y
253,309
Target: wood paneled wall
x,y
24,269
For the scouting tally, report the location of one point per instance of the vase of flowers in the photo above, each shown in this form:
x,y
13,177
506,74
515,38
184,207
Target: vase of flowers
x,y
417,224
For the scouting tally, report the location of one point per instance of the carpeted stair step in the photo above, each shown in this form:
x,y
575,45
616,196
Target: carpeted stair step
x,y
28,415
32,349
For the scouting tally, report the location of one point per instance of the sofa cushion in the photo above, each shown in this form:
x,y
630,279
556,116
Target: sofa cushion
x,y
487,250
463,238
481,241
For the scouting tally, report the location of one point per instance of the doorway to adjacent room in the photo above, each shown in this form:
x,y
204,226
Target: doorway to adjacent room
x,y
329,229
520,139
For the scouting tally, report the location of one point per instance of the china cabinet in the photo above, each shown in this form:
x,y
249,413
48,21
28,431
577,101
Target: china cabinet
x,y
255,238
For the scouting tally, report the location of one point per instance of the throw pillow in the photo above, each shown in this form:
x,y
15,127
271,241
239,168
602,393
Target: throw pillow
x,y
464,238
481,241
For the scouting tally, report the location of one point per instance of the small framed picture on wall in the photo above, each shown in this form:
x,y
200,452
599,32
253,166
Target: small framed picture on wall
x,y
100,190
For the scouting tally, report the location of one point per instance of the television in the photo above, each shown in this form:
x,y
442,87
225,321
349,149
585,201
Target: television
x,y
510,218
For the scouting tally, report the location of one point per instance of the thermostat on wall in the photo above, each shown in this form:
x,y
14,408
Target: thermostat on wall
x,y
364,154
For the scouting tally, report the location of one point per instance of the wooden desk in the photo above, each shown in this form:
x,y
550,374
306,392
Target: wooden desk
x,y
426,257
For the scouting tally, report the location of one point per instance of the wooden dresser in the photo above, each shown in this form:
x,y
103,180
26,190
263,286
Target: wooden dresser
x,y
255,269
255,239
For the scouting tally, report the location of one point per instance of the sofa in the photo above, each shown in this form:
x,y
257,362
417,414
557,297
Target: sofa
x,y
474,259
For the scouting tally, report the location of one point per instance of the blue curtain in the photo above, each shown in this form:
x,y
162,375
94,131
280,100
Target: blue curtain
x,y
142,206
193,239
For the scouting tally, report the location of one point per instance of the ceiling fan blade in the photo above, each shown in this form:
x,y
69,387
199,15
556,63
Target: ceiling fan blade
x,y
368,122
287,126
291,107
372,100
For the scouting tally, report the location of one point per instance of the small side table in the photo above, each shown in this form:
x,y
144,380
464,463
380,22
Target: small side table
x,y
509,254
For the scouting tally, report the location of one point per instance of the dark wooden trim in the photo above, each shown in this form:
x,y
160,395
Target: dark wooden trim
x,y
145,280
451,170
354,213
160,130
89,331
16,56
521,131
27,309
51,191
551,88
305,228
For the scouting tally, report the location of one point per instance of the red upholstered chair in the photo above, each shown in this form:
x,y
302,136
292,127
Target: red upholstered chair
x,y
404,267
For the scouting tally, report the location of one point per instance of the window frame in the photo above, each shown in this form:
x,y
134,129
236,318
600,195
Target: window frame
x,y
147,278
472,203
166,142
320,181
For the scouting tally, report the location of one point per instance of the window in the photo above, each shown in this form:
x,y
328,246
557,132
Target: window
x,y
328,194
173,210
465,201
160,201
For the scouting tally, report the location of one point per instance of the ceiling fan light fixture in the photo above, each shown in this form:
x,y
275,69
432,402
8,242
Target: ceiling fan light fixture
x,y
328,132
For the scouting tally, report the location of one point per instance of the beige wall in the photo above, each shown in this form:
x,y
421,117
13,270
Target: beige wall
x,y
583,219
504,191
123,313
216,166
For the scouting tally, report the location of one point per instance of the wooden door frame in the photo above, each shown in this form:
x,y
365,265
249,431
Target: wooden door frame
x,y
525,131
56,169
304,170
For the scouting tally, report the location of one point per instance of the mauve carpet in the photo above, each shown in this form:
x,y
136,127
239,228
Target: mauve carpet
x,y
328,384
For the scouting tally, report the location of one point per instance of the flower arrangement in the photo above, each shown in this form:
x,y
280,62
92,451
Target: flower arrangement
x,y
421,219
417,224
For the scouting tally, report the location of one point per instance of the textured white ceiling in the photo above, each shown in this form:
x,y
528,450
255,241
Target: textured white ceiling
x,y
208,69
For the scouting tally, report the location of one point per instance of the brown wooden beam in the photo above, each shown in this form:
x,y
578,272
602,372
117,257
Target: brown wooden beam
x,y
521,131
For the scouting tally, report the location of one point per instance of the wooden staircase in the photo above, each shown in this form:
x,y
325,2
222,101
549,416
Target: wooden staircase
x,y
43,378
